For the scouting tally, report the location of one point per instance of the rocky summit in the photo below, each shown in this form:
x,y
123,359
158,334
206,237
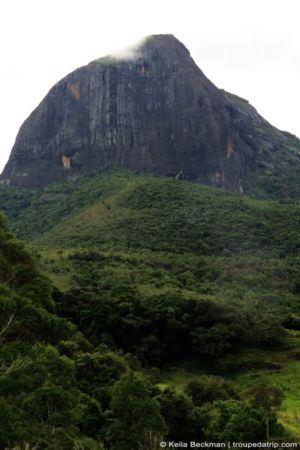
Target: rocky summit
x,y
151,110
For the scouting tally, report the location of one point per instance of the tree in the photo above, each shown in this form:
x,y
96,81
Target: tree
x,y
135,415
235,420
270,399
208,388
178,411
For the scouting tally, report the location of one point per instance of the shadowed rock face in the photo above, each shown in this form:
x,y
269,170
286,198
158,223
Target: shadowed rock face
x,y
153,112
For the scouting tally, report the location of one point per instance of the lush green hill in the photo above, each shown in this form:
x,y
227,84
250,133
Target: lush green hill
x,y
183,278
121,209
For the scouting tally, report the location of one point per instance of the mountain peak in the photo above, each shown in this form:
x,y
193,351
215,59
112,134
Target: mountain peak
x,y
149,109
163,41
166,46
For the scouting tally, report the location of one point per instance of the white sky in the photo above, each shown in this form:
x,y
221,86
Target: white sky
x,y
248,47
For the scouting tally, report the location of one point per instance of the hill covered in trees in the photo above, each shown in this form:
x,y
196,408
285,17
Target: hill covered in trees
x,y
183,298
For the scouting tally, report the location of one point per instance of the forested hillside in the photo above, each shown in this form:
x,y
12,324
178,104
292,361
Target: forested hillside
x,y
182,298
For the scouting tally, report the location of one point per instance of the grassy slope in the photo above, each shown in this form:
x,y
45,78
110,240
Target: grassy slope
x,y
157,234
286,377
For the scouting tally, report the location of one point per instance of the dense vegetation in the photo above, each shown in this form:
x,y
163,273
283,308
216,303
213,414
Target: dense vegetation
x,y
121,209
148,275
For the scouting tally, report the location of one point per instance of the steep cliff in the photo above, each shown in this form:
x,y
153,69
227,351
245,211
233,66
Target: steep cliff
x,y
154,111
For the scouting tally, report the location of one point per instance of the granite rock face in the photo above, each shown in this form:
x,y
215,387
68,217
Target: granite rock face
x,y
151,111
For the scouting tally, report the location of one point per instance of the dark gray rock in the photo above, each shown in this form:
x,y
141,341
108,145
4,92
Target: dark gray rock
x,y
154,112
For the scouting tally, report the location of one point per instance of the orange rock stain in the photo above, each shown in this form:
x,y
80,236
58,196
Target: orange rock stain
x,y
229,147
74,88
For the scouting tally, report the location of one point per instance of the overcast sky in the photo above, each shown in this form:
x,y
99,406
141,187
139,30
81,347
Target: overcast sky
x,y
248,47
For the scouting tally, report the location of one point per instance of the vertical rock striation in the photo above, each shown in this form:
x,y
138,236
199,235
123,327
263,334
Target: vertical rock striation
x,y
152,111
